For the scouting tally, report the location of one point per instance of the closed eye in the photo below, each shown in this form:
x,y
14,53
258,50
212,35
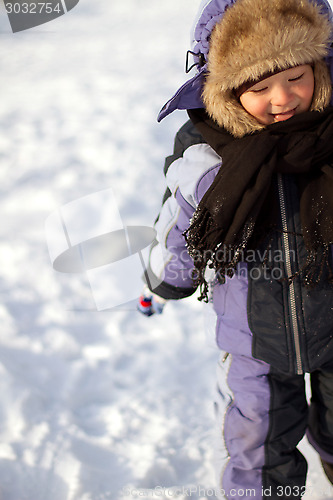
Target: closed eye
x,y
259,90
296,78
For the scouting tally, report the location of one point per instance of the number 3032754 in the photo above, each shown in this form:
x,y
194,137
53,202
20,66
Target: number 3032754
x,y
33,8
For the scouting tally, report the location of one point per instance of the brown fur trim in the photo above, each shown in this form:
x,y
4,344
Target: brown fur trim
x,y
259,36
323,87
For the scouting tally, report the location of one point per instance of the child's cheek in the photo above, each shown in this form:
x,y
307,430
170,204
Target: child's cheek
x,y
260,110
257,106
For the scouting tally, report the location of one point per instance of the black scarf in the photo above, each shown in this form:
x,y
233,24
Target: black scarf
x,y
236,210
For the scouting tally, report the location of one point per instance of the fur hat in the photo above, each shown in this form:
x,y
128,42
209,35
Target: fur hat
x,y
259,37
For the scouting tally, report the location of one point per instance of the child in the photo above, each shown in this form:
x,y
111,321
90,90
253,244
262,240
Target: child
x,y
249,196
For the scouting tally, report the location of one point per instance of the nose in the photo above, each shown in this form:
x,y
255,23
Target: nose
x,y
281,95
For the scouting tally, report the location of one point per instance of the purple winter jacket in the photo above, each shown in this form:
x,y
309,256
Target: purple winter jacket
x,y
288,326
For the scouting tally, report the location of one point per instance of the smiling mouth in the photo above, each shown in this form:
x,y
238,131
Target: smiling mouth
x,y
279,117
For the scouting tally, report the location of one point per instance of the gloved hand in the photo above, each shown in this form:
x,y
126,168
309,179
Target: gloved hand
x,y
150,303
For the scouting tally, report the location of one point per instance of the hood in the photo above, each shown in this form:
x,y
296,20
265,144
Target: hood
x,y
189,95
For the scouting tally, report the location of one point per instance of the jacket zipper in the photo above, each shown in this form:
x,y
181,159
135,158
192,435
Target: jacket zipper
x,y
292,294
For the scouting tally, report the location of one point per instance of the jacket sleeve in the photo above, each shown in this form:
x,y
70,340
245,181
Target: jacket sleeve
x,y
169,272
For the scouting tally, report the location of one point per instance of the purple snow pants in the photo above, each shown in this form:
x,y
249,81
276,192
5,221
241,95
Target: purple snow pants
x,y
262,416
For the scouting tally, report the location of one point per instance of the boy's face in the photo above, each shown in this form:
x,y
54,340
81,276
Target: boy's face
x,y
280,96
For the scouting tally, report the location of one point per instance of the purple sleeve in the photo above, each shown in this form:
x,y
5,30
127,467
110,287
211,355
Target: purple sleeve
x,y
170,270
188,176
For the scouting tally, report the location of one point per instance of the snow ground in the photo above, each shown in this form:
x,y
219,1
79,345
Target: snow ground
x,y
96,405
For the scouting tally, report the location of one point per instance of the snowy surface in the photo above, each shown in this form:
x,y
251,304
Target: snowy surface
x,y
96,405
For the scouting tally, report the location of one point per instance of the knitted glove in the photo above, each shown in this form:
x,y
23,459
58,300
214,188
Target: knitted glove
x,y
150,303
